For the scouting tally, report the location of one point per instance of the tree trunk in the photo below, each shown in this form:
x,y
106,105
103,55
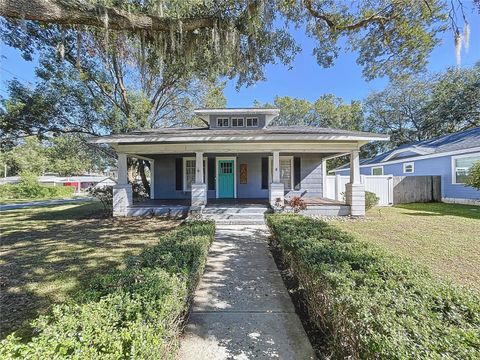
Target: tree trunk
x,y
141,170
74,12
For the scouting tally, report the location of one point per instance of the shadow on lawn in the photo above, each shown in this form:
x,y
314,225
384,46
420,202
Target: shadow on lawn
x,y
48,255
441,209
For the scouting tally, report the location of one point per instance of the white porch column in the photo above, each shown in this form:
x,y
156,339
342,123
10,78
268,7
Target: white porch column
x,y
199,168
152,179
199,189
276,167
277,189
122,192
355,190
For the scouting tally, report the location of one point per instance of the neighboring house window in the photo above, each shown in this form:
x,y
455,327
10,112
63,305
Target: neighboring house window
x,y
461,166
189,169
252,122
377,170
286,171
222,122
408,168
237,122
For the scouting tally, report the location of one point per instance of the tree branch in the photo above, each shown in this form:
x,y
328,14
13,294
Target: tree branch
x,y
76,12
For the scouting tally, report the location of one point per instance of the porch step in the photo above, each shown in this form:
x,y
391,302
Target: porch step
x,y
236,215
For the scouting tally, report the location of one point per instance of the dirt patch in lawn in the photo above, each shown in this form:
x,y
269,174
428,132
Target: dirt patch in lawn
x,y
47,254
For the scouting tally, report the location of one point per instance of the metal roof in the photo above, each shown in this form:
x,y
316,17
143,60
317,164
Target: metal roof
x,y
207,134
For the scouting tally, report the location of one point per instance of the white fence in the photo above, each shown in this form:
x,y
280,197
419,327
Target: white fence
x,y
381,185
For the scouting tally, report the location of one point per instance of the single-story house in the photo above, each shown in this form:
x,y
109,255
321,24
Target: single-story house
x,y
237,155
80,182
449,156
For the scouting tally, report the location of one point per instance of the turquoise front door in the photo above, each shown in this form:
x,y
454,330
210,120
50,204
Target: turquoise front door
x,y
226,179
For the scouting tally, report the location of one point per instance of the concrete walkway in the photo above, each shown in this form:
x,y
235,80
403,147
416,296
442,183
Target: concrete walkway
x,y
242,309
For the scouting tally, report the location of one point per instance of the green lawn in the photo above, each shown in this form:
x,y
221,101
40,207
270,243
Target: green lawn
x,y
48,253
443,237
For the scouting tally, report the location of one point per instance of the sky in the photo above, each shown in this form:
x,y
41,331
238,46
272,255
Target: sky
x,y
305,80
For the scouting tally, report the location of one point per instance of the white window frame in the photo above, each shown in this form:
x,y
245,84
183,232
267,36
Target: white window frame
x,y
453,172
251,118
270,173
376,167
222,119
237,118
184,170
234,174
412,164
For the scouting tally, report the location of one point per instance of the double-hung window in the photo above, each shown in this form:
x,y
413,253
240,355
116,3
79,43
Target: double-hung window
x,y
461,166
286,171
189,171
223,122
238,122
252,122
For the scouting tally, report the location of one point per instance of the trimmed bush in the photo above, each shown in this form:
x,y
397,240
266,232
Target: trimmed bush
x,y
372,305
371,200
136,312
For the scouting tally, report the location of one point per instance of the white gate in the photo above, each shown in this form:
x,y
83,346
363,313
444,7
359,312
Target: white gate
x,y
380,185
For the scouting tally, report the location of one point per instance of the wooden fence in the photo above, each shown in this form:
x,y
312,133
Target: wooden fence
x,y
389,189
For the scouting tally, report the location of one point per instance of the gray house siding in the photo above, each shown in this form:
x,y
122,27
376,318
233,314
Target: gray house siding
x,y
310,183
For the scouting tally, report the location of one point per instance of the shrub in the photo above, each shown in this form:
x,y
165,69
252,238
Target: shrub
x,y
473,178
30,188
136,312
372,305
371,200
105,195
297,204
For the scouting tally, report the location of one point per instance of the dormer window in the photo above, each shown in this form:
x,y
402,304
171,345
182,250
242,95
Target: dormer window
x,y
237,122
252,122
223,122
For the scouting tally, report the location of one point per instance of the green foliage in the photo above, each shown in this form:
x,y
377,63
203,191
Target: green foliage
x,y
473,178
134,313
372,305
105,195
371,200
423,107
69,156
30,188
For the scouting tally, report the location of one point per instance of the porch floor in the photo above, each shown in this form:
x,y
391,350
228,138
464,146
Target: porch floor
x,y
156,203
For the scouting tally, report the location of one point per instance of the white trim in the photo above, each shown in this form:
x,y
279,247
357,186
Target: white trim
x,y
423,157
292,171
412,164
245,147
152,179
237,118
452,163
205,173
411,149
234,158
230,138
376,167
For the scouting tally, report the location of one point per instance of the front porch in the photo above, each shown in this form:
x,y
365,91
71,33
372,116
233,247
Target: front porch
x,y
199,182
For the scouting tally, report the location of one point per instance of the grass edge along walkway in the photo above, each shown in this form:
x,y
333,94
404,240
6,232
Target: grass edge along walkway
x,y
136,312
373,305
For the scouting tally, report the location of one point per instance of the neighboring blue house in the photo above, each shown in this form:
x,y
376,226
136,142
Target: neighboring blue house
x,y
449,156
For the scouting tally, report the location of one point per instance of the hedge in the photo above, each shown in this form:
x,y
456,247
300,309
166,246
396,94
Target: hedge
x,y
34,191
137,312
372,305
